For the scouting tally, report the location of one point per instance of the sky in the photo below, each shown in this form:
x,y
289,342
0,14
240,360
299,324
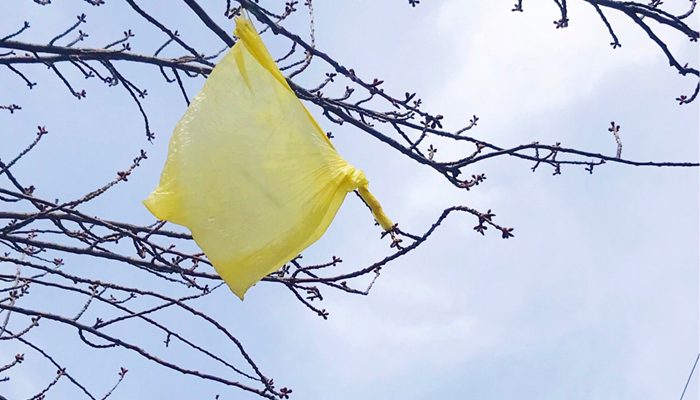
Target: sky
x,y
595,297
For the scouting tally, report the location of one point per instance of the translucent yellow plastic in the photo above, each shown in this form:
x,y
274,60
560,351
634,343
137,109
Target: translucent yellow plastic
x,y
250,172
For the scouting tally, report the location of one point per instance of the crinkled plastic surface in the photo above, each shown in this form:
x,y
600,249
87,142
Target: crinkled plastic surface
x,y
250,172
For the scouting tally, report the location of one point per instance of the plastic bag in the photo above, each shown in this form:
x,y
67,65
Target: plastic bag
x,y
250,172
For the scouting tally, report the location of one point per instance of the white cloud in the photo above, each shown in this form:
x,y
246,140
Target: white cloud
x,y
510,66
405,326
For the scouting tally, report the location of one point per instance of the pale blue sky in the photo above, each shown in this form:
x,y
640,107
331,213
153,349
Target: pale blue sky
x,y
595,298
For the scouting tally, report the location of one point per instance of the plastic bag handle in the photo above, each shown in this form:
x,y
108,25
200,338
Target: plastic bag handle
x,y
376,208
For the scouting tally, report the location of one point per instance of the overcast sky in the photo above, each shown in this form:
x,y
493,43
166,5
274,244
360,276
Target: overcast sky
x,y
596,297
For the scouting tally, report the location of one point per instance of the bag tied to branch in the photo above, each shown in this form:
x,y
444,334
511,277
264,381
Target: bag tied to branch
x,y
250,172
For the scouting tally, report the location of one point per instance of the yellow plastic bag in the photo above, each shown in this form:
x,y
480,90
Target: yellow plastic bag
x,y
250,172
